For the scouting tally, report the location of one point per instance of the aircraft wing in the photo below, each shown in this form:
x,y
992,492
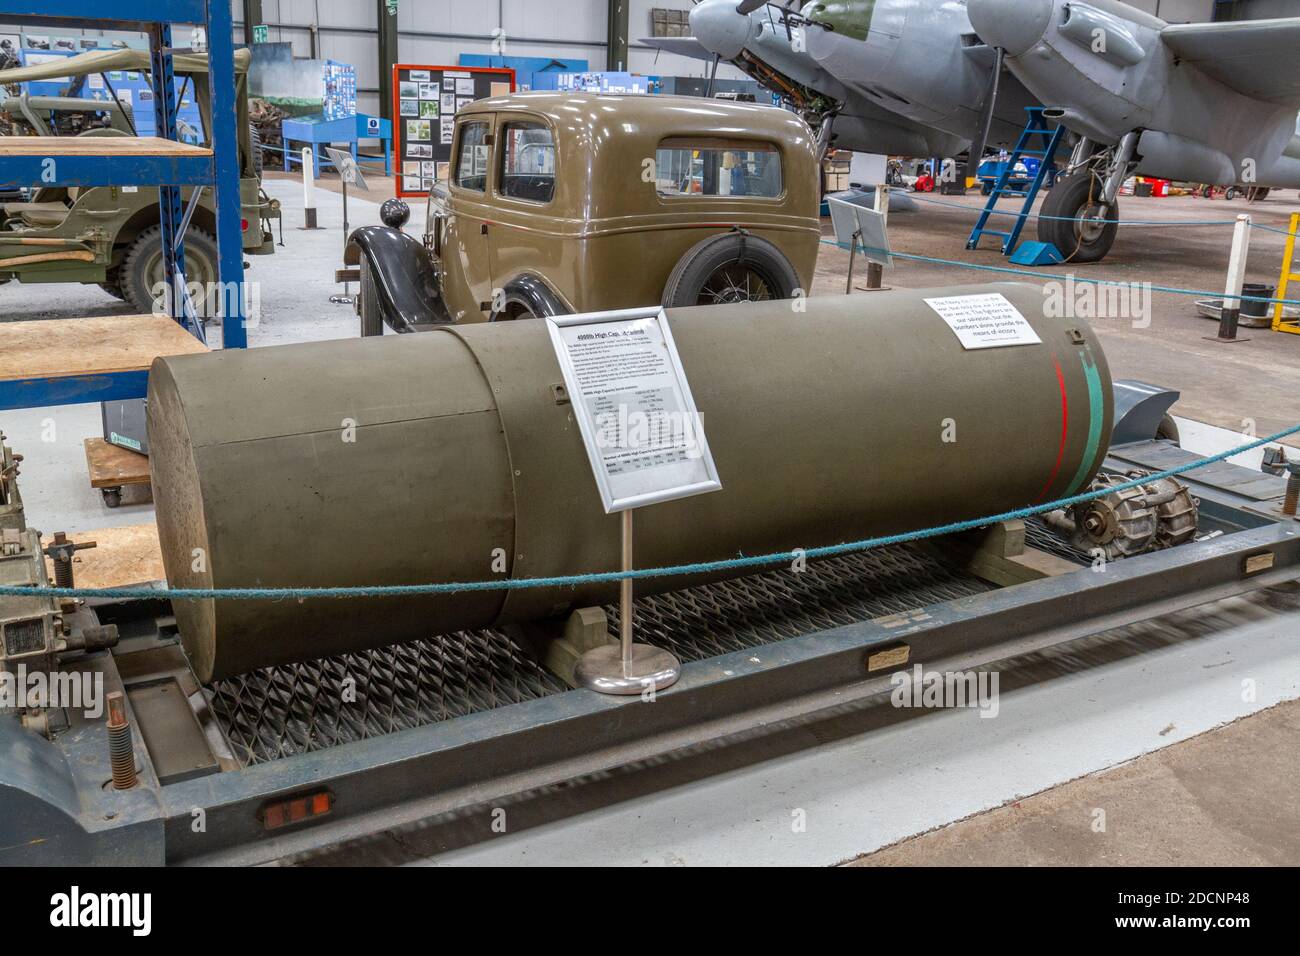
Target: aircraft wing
x,y
1257,58
682,46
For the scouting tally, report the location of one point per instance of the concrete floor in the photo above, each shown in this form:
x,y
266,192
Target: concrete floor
x,y
1214,800
864,787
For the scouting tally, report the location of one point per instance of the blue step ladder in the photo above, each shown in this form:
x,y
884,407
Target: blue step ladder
x,y
1050,141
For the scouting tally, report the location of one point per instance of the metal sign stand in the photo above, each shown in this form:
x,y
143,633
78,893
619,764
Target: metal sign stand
x,y
853,256
864,230
349,172
627,668
631,352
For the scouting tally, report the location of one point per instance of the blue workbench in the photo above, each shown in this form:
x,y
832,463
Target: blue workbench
x,y
318,132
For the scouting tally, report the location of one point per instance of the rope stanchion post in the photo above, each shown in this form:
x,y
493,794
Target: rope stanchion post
x,y
875,270
308,189
1236,280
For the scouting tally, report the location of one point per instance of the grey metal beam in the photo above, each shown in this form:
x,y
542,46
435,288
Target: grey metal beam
x,y
616,42
387,13
252,18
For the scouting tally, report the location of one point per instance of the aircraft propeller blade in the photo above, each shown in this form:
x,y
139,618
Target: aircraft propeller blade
x,y
749,6
986,121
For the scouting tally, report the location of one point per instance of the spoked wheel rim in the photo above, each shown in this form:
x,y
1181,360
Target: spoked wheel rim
x,y
735,282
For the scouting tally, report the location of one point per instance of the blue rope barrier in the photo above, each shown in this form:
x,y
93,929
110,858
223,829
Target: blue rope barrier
x,y
605,577
1034,215
1007,270
1280,232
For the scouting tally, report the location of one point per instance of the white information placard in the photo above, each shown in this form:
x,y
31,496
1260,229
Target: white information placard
x,y
629,394
348,169
987,321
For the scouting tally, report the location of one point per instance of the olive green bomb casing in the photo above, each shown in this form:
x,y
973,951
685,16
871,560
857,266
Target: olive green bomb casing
x,y
448,456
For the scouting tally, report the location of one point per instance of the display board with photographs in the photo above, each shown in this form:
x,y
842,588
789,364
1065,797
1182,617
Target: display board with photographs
x,y
425,102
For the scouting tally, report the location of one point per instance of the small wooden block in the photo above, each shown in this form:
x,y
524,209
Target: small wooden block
x,y
895,656
113,467
1257,563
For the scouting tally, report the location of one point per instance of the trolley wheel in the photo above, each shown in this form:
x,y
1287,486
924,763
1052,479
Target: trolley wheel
x,y
112,497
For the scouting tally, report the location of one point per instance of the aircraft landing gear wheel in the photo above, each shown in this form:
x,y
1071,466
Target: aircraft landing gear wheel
x,y
730,268
372,323
1075,221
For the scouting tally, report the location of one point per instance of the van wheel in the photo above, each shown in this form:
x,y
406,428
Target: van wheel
x,y
1080,232
729,268
372,323
141,272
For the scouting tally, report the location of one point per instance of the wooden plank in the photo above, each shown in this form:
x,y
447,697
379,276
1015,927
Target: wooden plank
x,y
121,556
112,467
95,146
95,346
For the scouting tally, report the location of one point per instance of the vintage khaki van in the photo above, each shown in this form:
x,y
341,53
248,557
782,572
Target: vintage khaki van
x,y
575,202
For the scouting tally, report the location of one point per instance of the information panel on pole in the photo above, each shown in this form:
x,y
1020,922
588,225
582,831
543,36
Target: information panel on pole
x,y
634,408
425,102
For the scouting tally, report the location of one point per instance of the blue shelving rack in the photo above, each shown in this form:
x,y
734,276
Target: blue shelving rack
x,y
217,168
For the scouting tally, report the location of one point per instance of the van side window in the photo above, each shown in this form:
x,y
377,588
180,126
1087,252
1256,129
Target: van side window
x,y
528,162
708,167
472,158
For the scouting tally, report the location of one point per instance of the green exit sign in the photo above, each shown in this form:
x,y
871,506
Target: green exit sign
x,y
261,34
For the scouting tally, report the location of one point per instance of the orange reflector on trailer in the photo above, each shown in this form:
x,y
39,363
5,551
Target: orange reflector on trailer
x,y
282,813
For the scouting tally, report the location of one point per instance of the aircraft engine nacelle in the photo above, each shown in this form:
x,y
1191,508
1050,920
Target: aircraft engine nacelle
x,y
1102,61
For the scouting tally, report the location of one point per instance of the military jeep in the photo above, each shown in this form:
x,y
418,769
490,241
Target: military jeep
x,y
572,202
110,234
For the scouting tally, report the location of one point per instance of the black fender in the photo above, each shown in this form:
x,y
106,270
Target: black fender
x,y
531,292
406,283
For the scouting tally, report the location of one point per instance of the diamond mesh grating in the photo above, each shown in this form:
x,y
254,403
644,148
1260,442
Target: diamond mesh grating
x,y
699,623
296,708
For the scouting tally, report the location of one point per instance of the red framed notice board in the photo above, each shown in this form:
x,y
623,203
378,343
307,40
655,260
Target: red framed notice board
x,y
425,102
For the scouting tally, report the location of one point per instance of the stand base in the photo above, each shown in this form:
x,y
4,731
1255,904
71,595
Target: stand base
x,y
601,669
1218,341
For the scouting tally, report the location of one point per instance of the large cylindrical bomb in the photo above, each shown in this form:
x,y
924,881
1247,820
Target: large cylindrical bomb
x,y
453,456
